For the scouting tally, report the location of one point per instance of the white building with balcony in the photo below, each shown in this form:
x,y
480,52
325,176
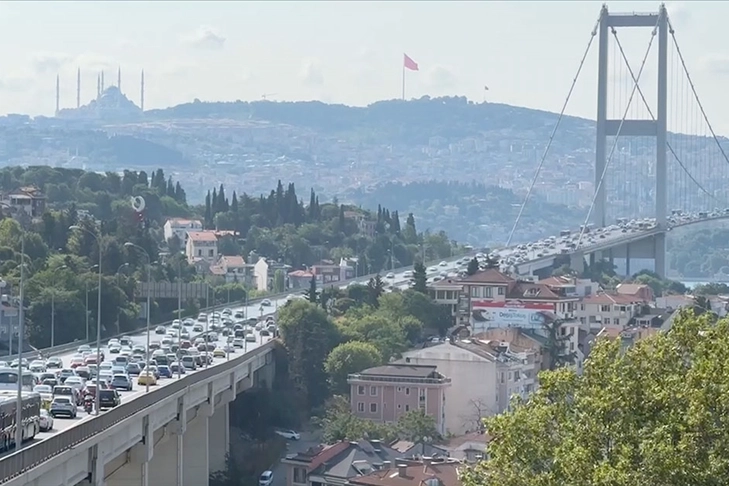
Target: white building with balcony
x,y
179,227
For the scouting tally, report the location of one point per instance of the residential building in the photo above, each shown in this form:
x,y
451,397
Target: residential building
x,y
234,269
608,309
490,299
337,463
485,371
28,199
327,271
385,393
469,448
299,279
201,245
261,272
571,286
640,292
179,227
425,472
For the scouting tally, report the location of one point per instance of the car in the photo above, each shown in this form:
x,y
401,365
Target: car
x,y
264,333
197,328
37,366
266,303
238,343
219,353
84,348
77,361
114,349
63,406
45,392
189,362
121,381
146,378
250,338
288,434
54,362
76,382
160,330
266,478
46,421
164,371
109,399
133,369
84,372
390,275
177,367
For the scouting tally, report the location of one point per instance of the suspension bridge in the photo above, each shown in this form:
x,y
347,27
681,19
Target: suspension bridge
x,y
659,163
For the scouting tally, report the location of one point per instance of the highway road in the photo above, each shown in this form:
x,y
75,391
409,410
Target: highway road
x,y
398,279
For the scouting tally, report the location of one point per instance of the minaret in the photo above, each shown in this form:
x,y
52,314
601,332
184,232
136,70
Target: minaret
x,y
78,88
141,97
58,94
102,81
118,79
98,85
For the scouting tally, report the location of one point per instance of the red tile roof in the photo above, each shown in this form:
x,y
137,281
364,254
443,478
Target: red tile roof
x,y
202,235
532,291
490,276
605,298
412,475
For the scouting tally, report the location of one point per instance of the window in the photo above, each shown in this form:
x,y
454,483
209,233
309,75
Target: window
x,y
211,253
360,390
373,408
199,253
407,391
407,408
399,389
360,407
300,475
474,291
605,308
373,391
502,290
502,377
582,307
607,320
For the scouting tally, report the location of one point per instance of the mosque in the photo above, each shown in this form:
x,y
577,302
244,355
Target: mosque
x,y
110,102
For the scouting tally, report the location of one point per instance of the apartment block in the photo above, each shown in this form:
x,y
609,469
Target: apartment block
x,y
385,393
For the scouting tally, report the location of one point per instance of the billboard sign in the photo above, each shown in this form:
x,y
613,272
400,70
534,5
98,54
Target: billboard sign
x,y
486,314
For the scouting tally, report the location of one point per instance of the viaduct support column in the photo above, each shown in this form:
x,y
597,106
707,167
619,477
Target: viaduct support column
x,y
627,260
577,262
167,463
195,452
659,255
136,470
218,438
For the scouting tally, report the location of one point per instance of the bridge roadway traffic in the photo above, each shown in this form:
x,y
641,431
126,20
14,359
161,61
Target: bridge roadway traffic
x,y
254,310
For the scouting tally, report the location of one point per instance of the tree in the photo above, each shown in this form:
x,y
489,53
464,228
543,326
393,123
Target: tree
x,y
554,345
375,287
420,278
339,423
490,263
473,267
348,358
279,281
418,427
310,294
648,414
308,335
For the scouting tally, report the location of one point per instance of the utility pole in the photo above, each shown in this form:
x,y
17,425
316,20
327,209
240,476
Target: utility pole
x,y
179,314
87,312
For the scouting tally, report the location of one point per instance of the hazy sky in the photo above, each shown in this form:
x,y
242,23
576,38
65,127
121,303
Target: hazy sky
x,y
344,52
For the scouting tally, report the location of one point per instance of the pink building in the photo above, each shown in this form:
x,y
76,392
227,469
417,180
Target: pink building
x,y
385,393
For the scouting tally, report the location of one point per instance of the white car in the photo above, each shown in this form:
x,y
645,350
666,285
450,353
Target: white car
x,y
37,366
443,264
266,303
288,434
390,275
266,478
46,421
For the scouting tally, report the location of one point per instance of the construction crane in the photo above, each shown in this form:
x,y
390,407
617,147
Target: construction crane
x,y
266,95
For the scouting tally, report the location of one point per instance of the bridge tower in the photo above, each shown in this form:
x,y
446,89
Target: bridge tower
x,y
637,128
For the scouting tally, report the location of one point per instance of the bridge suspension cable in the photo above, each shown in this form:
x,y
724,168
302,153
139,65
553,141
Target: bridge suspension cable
x,y
617,135
650,113
554,132
693,90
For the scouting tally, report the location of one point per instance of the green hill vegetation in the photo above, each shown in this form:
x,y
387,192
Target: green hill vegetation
x,y
61,261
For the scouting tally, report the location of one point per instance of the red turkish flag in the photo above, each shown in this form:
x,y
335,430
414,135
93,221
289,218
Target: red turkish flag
x,y
409,63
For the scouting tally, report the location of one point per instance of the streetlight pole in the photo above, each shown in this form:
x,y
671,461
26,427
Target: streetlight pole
x,y
179,316
97,395
19,428
129,244
87,312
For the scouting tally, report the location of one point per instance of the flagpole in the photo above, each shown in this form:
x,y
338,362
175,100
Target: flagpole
x,y
403,82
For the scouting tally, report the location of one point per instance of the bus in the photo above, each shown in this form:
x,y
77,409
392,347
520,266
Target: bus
x,y
9,379
31,407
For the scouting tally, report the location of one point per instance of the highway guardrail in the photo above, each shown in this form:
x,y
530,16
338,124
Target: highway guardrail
x,y
39,452
65,348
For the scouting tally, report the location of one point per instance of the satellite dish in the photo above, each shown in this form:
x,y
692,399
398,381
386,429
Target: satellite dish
x,y
138,203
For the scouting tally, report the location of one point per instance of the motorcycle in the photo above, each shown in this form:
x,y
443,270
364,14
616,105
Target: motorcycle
x,y
88,404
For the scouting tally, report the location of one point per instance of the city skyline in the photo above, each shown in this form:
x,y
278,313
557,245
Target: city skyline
x,y
309,50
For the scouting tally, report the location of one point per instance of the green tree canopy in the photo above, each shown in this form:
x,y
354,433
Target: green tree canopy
x,y
309,336
652,414
347,358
